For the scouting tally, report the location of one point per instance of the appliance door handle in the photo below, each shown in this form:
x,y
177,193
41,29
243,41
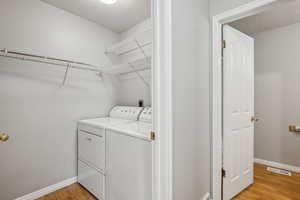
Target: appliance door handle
x,y
254,119
4,137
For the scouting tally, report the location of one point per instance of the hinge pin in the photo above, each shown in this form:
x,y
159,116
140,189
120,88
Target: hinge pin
x,y
223,173
223,44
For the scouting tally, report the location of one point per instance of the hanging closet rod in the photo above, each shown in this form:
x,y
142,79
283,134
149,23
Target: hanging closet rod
x,y
47,60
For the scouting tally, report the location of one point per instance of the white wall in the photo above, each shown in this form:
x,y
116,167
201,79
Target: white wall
x,y
191,99
277,94
132,88
143,26
219,6
39,114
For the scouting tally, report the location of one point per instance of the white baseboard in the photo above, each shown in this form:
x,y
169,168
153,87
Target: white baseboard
x,y
47,190
278,165
206,197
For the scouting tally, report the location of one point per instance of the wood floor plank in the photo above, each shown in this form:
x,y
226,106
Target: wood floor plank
x,y
51,196
271,186
72,192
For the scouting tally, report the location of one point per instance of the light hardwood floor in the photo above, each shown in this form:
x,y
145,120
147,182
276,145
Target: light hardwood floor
x,y
72,192
271,186
267,186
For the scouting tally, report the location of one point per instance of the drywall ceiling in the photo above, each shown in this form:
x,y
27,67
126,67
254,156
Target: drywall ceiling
x,y
283,15
118,17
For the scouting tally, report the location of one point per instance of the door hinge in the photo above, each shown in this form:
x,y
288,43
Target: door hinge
x,y
152,135
223,173
223,44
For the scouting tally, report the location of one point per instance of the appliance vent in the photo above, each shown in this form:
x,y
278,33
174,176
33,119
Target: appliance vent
x,y
279,171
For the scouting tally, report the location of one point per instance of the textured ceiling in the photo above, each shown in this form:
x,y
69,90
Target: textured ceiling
x,y
118,17
283,15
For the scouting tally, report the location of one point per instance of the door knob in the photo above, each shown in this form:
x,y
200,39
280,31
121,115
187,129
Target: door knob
x,y
254,119
4,137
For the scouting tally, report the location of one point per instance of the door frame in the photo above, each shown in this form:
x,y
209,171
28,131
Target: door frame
x,y
162,184
218,21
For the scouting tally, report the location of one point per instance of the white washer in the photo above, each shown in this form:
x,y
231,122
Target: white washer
x,y
129,160
92,147
117,115
140,129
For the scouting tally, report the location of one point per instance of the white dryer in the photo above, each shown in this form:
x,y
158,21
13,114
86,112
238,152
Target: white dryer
x,y
92,147
129,159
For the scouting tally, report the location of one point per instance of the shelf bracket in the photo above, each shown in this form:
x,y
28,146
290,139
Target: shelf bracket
x,y
140,47
66,73
139,75
5,52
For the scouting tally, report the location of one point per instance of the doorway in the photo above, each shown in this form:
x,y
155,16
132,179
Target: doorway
x,y
234,132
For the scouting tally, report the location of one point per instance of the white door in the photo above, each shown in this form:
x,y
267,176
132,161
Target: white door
x,y
238,109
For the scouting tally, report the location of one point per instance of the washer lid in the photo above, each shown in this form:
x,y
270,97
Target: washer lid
x,y
104,122
125,112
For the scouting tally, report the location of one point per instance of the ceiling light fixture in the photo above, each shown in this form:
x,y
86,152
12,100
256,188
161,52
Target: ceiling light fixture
x,y
109,1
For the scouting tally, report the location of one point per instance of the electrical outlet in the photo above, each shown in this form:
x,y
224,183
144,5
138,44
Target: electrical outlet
x,y
141,103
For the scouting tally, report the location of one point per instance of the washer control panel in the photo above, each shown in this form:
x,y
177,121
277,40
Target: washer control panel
x,y
146,115
125,112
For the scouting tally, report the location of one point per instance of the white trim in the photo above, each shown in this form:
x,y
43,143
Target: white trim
x,y
49,189
277,165
217,22
162,101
